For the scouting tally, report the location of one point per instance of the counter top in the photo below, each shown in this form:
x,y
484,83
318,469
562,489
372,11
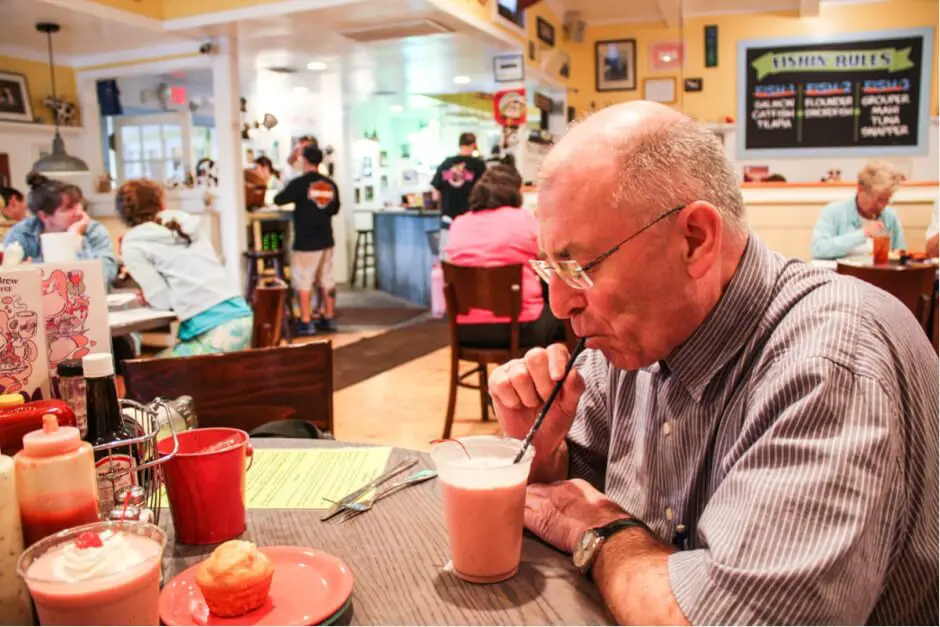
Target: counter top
x,y
406,212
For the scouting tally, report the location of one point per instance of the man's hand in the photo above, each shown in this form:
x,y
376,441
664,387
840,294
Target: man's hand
x,y
874,228
79,228
560,512
519,388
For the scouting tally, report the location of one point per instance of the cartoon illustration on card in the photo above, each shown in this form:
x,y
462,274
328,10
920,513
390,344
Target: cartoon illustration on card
x,y
75,307
24,367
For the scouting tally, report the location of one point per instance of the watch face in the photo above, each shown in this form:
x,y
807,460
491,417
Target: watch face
x,y
585,549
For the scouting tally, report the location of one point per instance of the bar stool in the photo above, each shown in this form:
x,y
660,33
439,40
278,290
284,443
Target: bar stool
x,y
278,260
364,258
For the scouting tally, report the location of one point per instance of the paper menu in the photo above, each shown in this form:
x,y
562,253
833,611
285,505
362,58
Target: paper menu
x,y
24,365
303,478
75,308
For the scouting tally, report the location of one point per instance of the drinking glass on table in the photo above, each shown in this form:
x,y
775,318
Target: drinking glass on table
x,y
881,246
484,504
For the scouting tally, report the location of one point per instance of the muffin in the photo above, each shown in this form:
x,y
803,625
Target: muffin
x,y
235,579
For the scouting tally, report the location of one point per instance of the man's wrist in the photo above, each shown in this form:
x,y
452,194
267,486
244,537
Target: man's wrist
x,y
621,545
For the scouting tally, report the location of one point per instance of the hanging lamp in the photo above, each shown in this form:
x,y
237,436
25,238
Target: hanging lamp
x,y
59,162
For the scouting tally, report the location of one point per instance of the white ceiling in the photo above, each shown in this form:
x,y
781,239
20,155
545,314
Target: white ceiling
x,y
81,35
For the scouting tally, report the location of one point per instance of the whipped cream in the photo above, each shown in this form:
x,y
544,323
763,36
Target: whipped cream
x,y
114,556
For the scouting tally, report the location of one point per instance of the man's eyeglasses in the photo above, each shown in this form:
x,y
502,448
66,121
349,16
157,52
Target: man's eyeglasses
x,y
574,274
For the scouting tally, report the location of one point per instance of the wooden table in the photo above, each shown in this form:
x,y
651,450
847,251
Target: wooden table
x,y
138,319
396,553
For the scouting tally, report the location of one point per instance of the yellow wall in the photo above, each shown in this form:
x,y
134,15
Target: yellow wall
x,y
40,84
147,8
542,50
718,97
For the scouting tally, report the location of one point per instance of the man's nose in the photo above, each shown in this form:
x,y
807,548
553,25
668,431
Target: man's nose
x,y
564,299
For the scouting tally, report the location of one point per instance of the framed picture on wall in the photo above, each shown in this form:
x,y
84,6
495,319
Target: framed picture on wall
x,y
14,98
615,65
546,32
660,89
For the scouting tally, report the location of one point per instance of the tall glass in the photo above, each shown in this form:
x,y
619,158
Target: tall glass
x,y
108,588
484,505
881,246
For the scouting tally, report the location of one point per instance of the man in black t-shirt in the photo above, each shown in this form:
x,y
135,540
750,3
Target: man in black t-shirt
x,y
316,201
454,180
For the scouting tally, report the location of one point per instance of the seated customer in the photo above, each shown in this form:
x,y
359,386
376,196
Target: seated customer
x,y
177,268
846,226
57,207
12,209
498,232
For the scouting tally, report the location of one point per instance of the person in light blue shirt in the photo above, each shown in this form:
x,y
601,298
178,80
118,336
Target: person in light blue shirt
x,y
177,269
846,227
57,208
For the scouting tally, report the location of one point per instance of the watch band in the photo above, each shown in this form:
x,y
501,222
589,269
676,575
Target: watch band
x,y
619,525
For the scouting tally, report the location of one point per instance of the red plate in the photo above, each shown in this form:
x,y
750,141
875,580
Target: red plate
x,y
308,587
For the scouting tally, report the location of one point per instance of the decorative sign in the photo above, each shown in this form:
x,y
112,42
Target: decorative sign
x,y
545,32
509,68
711,46
850,95
693,84
660,89
509,107
666,55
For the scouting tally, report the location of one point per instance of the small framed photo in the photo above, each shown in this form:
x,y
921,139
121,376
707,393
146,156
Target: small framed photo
x,y
383,159
660,89
369,193
693,84
14,98
546,32
531,50
615,65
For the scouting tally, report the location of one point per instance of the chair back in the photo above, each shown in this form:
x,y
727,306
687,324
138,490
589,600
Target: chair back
x,y
913,285
245,389
497,289
267,303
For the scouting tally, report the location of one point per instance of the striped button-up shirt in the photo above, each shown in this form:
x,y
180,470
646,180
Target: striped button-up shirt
x,y
794,435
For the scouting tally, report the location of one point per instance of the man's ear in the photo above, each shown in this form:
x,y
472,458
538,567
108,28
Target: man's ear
x,y
701,227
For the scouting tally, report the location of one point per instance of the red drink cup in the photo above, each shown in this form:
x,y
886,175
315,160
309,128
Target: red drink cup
x,y
205,482
881,246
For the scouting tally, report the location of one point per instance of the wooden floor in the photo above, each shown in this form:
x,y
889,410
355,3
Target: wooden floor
x,y
404,406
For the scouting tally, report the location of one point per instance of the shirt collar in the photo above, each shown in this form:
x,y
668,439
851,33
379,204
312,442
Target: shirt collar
x,y
730,324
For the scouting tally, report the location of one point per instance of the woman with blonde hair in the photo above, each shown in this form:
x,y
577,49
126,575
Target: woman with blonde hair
x,y
846,227
177,268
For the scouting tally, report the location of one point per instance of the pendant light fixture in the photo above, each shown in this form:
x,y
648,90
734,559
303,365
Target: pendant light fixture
x,y
59,162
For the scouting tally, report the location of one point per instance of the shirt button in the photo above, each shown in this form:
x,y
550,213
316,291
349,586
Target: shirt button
x,y
666,428
668,513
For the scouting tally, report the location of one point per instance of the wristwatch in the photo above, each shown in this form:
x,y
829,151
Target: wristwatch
x,y
589,546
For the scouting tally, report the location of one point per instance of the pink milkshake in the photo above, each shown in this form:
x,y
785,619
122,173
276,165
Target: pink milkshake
x,y
484,504
99,574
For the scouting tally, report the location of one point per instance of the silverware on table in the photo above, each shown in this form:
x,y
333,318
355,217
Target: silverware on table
x,y
341,505
355,508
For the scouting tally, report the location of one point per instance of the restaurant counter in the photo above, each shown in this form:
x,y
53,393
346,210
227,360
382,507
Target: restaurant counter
x,y
403,255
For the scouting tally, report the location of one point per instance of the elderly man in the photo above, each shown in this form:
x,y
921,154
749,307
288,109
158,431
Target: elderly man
x,y
846,227
747,439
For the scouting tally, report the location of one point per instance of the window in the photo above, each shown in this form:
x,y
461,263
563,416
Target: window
x,y
509,10
155,146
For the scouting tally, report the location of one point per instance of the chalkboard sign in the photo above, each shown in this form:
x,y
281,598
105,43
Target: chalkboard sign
x,y
857,95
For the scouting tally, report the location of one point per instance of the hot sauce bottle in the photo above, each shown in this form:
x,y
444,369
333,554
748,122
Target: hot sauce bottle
x,y
55,481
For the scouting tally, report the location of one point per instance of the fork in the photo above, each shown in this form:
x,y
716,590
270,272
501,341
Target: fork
x,y
359,507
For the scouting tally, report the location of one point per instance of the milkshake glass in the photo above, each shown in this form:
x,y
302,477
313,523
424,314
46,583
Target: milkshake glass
x,y
114,580
484,505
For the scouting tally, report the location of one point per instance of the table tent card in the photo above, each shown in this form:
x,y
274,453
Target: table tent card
x,y
24,363
75,307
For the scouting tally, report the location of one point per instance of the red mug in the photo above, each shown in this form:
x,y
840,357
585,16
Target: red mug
x,y
205,482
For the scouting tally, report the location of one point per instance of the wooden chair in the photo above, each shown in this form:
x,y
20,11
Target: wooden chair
x,y
271,323
245,389
496,289
913,285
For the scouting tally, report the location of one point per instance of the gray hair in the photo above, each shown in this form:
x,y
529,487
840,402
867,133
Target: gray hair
x,y
676,163
879,177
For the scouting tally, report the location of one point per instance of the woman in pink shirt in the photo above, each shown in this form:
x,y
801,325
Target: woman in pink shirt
x,y
497,231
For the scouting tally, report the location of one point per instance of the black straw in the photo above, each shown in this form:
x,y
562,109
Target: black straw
x,y
550,401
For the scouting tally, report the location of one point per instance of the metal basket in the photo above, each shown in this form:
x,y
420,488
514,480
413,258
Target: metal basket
x,y
147,426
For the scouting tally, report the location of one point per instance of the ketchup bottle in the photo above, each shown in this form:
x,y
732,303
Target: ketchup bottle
x,y
56,484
